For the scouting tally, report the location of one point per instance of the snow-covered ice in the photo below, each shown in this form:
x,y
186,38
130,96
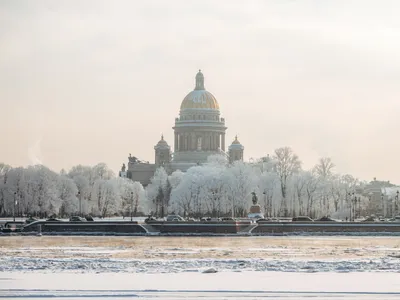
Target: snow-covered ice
x,y
221,285
172,268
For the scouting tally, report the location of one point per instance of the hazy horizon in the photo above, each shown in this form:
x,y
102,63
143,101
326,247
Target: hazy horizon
x,y
84,82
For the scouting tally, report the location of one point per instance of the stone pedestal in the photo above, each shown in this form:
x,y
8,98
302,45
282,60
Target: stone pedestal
x,y
255,209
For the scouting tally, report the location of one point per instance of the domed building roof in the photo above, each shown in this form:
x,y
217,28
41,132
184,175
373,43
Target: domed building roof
x,y
199,97
236,144
162,144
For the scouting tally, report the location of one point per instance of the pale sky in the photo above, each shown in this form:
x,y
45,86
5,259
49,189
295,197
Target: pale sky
x,y
83,82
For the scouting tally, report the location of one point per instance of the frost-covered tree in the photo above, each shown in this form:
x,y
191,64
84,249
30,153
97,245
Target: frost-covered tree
x,y
286,164
267,185
185,198
107,197
67,191
156,191
324,167
132,196
240,181
212,189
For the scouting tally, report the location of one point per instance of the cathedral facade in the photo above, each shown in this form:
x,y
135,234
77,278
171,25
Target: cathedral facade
x,y
199,132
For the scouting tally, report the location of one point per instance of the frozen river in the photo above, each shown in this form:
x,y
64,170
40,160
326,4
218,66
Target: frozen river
x,y
172,267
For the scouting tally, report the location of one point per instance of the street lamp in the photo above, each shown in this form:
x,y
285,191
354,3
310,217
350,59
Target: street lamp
x,y
357,211
397,202
265,202
383,206
131,209
80,203
15,203
351,196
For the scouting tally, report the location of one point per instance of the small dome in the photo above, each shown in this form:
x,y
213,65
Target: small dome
x,y
236,144
199,97
236,141
162,144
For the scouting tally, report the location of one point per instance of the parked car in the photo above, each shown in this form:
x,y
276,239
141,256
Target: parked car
x,y
326,219
89,218
77,219
370,219
396,219
255,216
302,219
30,220
174,218
264,220
149,219
52,219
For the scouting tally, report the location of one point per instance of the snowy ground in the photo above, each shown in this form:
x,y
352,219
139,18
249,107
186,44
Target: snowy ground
x,y
172,267
222,285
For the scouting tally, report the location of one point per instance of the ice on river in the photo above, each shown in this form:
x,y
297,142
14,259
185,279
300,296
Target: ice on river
x,y
173,267
221,285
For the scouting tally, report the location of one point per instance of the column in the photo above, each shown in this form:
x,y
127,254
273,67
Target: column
x,y
218,140
181,142
204,141
223,141
186,141
176,142
193,141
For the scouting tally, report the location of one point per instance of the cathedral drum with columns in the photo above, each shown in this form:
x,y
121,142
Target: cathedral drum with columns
x,y
199,132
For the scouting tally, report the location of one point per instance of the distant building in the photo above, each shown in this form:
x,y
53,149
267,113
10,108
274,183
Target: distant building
x,y
199,132
383,197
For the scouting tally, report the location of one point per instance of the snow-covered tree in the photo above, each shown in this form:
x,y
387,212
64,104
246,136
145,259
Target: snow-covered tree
x,y
156,191
286,164
67,193
240,181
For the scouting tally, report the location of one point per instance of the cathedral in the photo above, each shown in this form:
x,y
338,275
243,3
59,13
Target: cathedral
x,y
199,132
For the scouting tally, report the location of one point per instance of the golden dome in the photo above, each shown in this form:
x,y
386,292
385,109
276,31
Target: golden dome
x,y
236,141
200,98
236,145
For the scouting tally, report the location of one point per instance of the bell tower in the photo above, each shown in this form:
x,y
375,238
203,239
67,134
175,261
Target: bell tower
x,y
236,150
162,153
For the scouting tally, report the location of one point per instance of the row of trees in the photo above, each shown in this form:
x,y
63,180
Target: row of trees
x,y
38,191
215,189
282,186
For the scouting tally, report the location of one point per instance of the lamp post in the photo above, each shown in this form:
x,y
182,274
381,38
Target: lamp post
x,y
233,206
15,203
265,202
351,196
80,203
349,203
396,203
357,211
383,206
131,208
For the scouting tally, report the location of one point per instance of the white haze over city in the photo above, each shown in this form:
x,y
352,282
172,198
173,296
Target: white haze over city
x,y
89,82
